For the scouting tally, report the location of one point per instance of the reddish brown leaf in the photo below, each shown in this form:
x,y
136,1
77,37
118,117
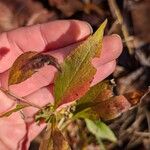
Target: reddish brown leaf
x,y
27,64
99,102
134,97
112,107
54,140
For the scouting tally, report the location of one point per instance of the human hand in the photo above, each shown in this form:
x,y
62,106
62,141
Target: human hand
x,y
57,38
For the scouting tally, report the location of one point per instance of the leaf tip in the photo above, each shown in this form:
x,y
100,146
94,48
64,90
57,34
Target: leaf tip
x,y
104,23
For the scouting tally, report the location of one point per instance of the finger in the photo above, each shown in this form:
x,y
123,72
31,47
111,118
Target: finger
x,y
46,75
12,124
33,131
111,49
12,130
3,105
3,145
40,97
103,72
48,36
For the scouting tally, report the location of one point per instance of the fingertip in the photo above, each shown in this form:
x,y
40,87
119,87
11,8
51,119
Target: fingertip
x,y
85,29
112,44
88,26
103,72
117,46
62,33
111,49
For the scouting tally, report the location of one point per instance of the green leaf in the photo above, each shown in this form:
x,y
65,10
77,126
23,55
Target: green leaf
x,y
89,100
27,64
17,108
46,114
54,140
86,113
99,102
77,69
100,130
96,94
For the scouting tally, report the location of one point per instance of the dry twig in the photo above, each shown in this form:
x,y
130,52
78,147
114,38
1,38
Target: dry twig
x,y
117,15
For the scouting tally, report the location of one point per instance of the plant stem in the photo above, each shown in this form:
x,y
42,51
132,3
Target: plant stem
x,y
61,122
19,98
65,124
102,147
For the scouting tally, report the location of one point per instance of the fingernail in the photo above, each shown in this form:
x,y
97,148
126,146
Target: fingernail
x,y
90,27
116,35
